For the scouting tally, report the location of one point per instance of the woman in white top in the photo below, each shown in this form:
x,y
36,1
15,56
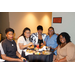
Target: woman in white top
x,y
24,40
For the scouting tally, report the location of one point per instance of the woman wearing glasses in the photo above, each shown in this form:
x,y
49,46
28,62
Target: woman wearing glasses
x,y
51,40
24,41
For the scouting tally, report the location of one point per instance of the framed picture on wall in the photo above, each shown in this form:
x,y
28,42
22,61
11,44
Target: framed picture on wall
x,y
57,19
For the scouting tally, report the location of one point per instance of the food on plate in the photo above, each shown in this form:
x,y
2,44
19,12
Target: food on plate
x,y
36,48
30,51
46,52
37,53
31,47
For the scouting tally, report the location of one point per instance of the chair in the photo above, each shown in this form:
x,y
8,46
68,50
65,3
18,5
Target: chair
x,y
1,60
0,54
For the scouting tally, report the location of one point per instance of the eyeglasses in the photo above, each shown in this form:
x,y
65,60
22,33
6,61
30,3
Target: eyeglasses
x,y
50,30
27,32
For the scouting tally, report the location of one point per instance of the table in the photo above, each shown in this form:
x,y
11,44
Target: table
x,y
40,58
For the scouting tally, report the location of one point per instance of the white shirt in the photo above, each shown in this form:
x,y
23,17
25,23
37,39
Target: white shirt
x,y
22,40
1,49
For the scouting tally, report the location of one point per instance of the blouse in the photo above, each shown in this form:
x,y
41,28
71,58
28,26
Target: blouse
x,y
67,51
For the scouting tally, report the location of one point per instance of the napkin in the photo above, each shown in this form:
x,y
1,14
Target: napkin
x,y
44,48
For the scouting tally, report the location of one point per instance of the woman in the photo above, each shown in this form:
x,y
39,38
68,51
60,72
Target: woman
x,y
51,40
38,38
24,41
66,49
8,47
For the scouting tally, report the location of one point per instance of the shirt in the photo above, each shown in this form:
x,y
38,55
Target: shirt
x,y
34,38
52,42
22,40
67,51
9,48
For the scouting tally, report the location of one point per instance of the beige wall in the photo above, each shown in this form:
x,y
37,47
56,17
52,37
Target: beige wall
x,y
20,20
4,22
0,22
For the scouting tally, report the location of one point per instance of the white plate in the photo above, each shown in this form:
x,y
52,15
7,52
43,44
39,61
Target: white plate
x,y
44,48
1,60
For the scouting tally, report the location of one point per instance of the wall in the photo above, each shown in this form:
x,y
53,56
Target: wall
x,y
0,22
67,25
4,22
20,20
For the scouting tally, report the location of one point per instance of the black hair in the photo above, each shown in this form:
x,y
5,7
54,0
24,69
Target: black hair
x,y
64,34
9,29
40,28
24,31
52,29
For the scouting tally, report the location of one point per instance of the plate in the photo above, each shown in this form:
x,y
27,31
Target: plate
x,y
46,52
31,47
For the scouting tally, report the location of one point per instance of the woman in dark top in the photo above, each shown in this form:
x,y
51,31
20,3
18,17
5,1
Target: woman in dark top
x,y
10,48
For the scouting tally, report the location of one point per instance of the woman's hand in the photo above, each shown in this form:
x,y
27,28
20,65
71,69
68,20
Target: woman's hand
x,y
56,60
42,44
19,60
22,58
30,43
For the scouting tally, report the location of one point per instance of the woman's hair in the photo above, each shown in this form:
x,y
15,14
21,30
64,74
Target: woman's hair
x,y
24,31
9,29
40,28
52,29
65,35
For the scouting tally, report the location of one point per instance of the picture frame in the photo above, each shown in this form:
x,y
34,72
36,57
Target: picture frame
x,y
57,19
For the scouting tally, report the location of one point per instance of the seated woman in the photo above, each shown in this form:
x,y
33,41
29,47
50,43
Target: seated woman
x,y
24,41
9,49
38,38
51,40
66,49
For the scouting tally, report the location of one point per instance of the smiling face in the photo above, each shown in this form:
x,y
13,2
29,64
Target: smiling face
x,y
62,39
39,32
27,33
50,31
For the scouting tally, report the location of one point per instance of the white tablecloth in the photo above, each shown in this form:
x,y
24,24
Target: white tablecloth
x,y
26,53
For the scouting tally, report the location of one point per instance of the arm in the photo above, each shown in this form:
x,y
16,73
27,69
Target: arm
x,y
57,34
18,54
4,57
61,60
44,43
24,46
